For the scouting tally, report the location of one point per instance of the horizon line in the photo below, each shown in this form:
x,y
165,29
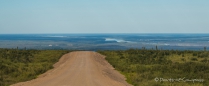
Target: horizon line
x,y
105,33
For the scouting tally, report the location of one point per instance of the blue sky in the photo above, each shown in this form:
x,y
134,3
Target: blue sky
x,y
104,16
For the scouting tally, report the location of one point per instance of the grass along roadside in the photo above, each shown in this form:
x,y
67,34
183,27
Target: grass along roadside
x,y
154,67
141,67
23,65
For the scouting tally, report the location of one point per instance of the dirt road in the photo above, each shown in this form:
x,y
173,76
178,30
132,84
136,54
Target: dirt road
x,y
80,68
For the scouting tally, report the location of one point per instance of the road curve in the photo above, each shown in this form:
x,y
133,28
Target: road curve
x,y
79,68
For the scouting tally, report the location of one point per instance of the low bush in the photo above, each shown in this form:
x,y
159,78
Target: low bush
x,y
22,65
151,67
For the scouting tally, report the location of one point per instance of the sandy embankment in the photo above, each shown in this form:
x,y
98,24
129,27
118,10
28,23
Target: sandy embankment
x,y
80,68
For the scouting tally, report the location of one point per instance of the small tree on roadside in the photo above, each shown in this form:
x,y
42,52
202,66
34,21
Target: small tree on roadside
x,y
204,48
156,47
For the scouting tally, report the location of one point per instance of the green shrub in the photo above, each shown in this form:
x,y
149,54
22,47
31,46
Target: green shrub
x,y
22,65
194,59
141,67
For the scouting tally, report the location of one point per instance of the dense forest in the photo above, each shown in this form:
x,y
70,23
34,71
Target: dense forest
x,y
22,65
161,67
